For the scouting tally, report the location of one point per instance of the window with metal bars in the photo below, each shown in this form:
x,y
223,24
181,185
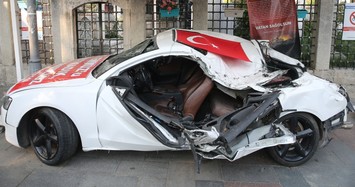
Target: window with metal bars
x,y
343,51
99,29
307,28
219,22
156,24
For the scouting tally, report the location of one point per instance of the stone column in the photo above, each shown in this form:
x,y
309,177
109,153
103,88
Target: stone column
x,y
134,26
323,34
67,30
7,56
55,12
200,14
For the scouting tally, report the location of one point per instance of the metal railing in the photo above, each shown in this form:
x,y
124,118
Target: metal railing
x,y
343,51
99,29
219,22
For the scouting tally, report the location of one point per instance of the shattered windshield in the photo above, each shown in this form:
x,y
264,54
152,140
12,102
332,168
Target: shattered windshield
x,y
143,47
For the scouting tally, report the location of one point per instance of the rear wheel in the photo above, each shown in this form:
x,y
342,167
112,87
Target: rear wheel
x,y
53,136
307,138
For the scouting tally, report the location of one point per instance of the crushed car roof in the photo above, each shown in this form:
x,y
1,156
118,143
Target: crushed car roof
x,y
231,61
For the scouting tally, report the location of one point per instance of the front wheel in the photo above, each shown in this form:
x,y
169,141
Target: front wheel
x,y
53,136
307,138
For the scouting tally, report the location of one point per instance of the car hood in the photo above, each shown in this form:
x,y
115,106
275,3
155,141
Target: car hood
x,y
72,73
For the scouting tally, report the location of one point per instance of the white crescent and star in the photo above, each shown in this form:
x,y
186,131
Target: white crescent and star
x,y
192,40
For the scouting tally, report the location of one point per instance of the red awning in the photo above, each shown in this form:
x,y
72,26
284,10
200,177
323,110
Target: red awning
x,y
212,44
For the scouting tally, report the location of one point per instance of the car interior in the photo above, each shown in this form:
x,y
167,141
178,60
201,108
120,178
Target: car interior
x,y
177,87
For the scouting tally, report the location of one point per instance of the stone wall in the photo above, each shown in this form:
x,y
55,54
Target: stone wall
x,y
345,77
7,59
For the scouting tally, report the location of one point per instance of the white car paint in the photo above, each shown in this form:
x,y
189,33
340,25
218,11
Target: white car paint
x,y
313,95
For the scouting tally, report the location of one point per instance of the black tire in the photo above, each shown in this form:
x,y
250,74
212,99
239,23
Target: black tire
x,y
307,139
51,131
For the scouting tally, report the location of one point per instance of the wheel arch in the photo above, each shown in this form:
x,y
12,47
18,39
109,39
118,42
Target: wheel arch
x,y
22,129
315,117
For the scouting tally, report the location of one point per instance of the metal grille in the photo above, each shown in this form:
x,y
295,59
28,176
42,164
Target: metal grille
x,y
25,48
307,28
343,51
45,45
218,22
99,29
155,23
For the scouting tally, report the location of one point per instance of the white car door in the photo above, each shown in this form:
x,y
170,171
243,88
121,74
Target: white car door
x,y
118,130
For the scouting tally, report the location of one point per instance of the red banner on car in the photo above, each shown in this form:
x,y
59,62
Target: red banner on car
x,y
79,68
275,21
212,44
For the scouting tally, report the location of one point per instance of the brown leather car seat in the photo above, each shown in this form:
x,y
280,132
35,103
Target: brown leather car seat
x,y
194,95
194,92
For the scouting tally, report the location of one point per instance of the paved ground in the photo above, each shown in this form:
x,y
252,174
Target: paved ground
x,y
331,166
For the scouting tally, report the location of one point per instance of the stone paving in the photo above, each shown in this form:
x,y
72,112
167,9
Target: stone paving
x,y
333,165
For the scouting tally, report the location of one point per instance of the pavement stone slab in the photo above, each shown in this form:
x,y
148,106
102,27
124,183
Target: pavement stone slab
x,y
95,164
319,175
343,152
205,183
143,168
125,155
209,170
249,173
12,155
151,182
12,176
180,156
251,184
337,168
53,178
291,177
325,157
181,174
103,180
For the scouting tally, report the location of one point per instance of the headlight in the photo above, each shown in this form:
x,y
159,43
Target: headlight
x,y
6,102
343,92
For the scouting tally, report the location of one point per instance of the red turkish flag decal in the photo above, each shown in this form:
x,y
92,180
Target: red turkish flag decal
x,y
79,68
212,44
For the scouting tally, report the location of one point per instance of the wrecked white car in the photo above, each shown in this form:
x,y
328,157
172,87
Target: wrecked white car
x,y
220,96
